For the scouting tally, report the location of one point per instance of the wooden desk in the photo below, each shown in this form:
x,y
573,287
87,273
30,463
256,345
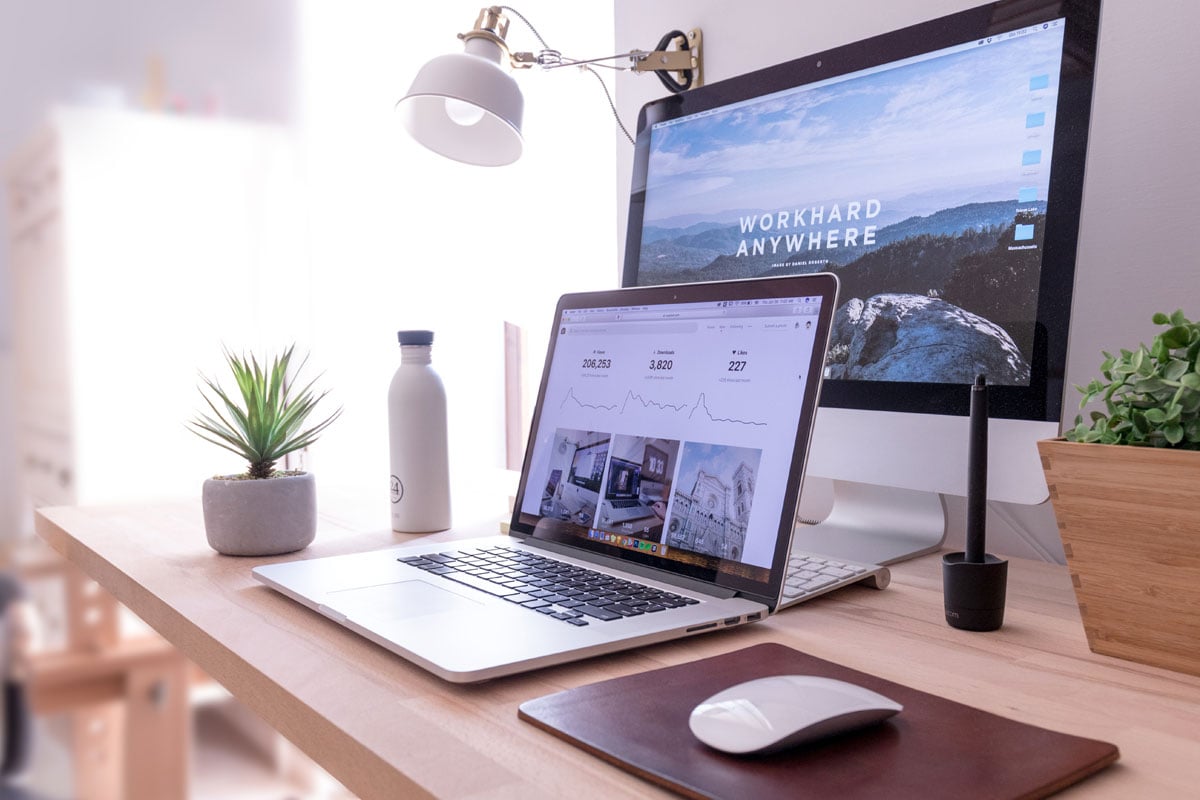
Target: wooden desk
x,y
387,729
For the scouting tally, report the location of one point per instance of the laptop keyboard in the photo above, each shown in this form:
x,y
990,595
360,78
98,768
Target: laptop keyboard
x,y
576,595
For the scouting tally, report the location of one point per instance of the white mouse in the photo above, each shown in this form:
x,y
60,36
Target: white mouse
x,y
770,714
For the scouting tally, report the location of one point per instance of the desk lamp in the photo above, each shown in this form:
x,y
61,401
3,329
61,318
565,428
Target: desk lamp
x,y
468,108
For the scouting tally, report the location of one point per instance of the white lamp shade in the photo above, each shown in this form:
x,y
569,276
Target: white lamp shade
x,y
466,107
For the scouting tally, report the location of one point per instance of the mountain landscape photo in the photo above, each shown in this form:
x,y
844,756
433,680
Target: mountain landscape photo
x,y
922,185
956,277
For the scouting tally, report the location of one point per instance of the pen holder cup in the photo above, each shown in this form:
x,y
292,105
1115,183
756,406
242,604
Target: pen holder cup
x,y
974,592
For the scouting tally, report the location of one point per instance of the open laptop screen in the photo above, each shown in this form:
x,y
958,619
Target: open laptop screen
x,y
672,425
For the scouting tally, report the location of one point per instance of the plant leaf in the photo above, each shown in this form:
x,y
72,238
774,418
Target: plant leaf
x,y
1173,433
1176,337
269,422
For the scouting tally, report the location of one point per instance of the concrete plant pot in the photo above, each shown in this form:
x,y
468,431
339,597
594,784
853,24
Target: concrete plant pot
x,y
266,517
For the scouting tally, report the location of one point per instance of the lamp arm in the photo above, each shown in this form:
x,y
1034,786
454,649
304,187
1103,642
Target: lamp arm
x,y
639,60
686,61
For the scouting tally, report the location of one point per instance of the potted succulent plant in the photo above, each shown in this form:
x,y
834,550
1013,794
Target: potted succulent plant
x,y
263,511
1125,484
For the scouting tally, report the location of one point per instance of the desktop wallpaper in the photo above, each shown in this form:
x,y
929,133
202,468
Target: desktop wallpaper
x,y
921,184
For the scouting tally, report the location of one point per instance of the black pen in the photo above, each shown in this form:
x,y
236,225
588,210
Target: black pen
x,y
977,459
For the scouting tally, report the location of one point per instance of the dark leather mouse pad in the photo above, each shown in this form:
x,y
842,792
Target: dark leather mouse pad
x,y
934,748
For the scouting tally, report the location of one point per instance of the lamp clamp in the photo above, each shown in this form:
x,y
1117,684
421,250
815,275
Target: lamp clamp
x,y
678,61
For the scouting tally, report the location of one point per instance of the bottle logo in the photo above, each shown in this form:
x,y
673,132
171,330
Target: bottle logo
x,y
397,489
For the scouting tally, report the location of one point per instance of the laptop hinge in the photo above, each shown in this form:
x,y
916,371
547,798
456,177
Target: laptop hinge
x,y
682,582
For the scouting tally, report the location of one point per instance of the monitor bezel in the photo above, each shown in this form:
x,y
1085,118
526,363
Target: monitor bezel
x,y
1042,399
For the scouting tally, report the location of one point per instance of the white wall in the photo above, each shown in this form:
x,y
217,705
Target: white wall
x,y
404,238
397,237
235,57
1137,250
231,57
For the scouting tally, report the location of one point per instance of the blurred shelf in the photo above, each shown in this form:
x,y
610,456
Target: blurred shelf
x,y
228,764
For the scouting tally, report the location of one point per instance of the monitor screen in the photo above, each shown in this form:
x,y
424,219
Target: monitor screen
x,y
587,466
623,480
937,170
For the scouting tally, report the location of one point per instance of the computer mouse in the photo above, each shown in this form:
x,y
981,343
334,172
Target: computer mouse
x,y
771,714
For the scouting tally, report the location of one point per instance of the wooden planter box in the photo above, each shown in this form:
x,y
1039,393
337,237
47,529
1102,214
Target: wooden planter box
x,y
1129,518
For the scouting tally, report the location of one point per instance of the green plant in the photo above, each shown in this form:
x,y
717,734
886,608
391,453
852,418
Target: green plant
x,y
269,423
1151,395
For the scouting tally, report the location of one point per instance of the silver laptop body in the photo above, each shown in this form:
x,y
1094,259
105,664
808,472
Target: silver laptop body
x,y
694,400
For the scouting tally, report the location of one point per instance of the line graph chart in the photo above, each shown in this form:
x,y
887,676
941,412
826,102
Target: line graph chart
x,y
635,401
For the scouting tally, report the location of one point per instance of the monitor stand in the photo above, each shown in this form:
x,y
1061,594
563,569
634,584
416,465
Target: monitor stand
x,y
874,524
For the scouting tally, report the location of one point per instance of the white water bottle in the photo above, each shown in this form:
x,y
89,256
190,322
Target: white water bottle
x,y
420,485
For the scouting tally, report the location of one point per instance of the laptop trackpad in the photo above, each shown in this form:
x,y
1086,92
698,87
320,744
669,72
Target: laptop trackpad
x,y
396,601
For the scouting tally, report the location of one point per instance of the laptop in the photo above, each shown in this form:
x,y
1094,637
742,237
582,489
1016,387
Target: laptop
x,y
657,497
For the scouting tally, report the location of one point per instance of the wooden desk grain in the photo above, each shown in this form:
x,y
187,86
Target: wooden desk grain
x,y
387,729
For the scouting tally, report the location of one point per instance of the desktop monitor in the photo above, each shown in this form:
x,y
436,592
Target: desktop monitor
x,y
624,480
587,467
938,172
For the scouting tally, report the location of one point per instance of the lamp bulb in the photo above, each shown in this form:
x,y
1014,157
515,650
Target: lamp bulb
x,y
463,113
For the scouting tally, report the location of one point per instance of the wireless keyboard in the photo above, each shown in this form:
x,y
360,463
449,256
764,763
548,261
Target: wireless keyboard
x,y
812,575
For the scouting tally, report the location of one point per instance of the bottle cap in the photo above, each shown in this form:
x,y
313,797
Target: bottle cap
x,y
415,337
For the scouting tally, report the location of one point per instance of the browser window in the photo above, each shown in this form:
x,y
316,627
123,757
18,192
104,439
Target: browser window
x,y
663,428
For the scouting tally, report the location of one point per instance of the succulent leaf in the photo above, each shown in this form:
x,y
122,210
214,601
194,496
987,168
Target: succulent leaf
x,y
269,421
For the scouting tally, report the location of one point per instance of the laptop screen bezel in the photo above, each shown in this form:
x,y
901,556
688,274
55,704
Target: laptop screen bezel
x,y
767,591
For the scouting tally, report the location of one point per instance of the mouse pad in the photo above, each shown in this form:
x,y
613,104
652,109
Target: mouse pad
x,y
934,748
